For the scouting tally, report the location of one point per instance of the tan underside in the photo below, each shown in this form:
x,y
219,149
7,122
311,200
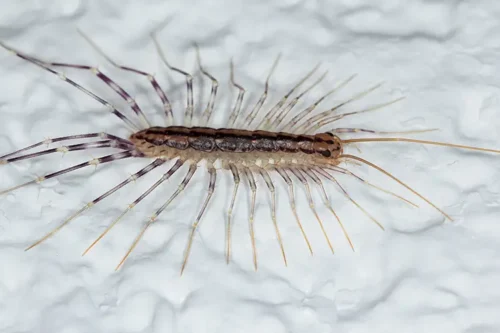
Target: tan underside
x,y
251,159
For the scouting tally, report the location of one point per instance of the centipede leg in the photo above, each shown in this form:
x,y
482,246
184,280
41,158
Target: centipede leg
x,y
165,176
236,179
327,203
188,116
215,84
211,189
253,189
167,107
272,190
293,206
154,217
239,100
304,182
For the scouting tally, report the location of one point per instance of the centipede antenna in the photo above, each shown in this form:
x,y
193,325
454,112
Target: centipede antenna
x,y
272,191
304,182
239,100
211,189
302,115
167,107
291,196
63,77
236,179
188,116
269,116
320,116
364,130
215,84
165,176
286,110
346,194
256,109
326,201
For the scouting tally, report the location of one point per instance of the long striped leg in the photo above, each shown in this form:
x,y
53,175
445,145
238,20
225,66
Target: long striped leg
x,y
108,81
253,189
165,176
349,173
68,138
233,118
153,218
215,84
327,203
267,118
167,107
303,114
304,182
66,149
63,77
364,130
293,206
333,179
272,190
188,116
286,110
314,126
256,109
95,162
236,178
92,203
211,189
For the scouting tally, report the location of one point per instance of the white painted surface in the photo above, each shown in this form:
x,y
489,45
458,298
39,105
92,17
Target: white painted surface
x,y
417,276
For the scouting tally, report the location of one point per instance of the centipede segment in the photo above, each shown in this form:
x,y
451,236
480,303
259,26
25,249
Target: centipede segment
x,y
288,142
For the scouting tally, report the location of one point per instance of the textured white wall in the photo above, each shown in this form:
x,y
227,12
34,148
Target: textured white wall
x,y
417,276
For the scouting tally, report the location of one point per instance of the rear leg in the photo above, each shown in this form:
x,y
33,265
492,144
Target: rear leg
x,y
167,107
165,176
154,217
211,189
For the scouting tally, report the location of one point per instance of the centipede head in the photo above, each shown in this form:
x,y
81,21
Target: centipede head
x,y
328,145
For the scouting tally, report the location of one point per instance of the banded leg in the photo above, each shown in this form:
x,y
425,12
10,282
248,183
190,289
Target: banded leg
x,y
239,100
327,203
272,190
167,107
286,110
253,189
333,179
293,206
68,138
63,77
188,116
267,118
215,84
66,149
304,182
236,178
92,203
95,162
256,109
331,119
153,218
165,176
211,189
